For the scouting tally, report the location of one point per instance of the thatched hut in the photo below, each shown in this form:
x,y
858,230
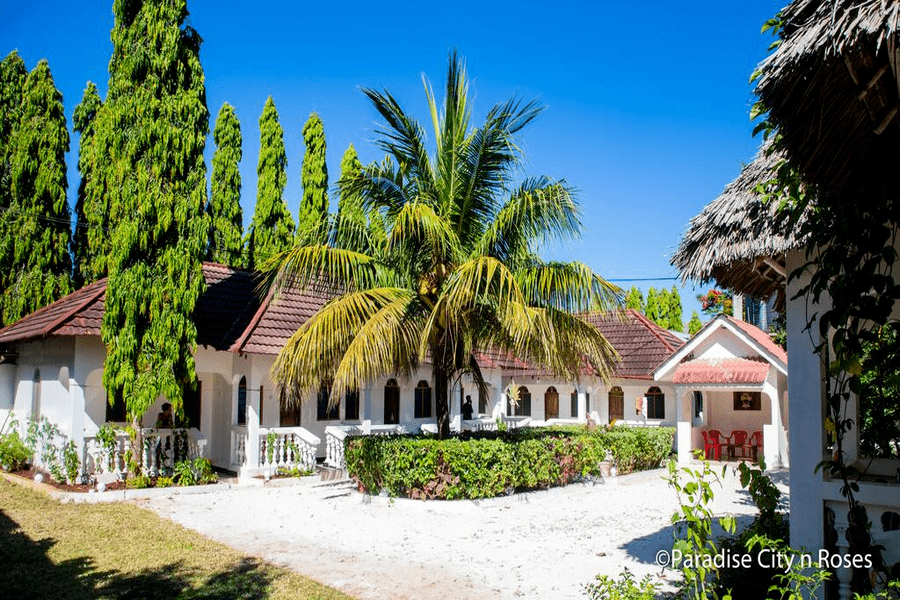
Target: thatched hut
x,y
740,239
833,86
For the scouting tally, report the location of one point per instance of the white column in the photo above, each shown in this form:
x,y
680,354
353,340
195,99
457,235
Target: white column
x,y
805,404
771,431
582,406
76,395
683,427
252,448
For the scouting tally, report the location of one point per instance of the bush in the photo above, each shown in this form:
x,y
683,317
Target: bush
x,y
486,464
14,453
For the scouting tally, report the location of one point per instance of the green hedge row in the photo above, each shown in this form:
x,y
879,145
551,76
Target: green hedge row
x,y
486,464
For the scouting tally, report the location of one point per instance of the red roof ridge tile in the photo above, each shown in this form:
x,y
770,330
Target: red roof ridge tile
x,y
653,328
239,344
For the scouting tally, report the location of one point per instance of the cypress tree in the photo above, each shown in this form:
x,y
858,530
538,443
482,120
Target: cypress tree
x,y
662,302
225,216
652,307
83,121
272,229
37,224
12,85
149,138
694,325
634,299
351,218
676,315
314,178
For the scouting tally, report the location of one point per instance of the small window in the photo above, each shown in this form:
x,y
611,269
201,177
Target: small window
x,y
573,404
656,403
192,410
261,395
391,402
351,406
36,395
242,402
423,400
698,404
323,411
482,401
115,410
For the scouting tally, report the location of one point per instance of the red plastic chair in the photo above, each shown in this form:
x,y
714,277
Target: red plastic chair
x,y
737,441
713,440
753,445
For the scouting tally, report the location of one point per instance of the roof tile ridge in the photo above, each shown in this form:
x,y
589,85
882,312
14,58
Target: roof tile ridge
x,y
238,345
101,289
652,327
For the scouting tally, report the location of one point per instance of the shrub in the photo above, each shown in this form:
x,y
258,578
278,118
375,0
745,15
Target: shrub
x,y
486,464
140,482
623,588
184,474
14,453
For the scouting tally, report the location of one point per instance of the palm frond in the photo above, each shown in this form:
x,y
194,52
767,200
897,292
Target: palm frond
x,y
417,229
571,287
539,211
322,265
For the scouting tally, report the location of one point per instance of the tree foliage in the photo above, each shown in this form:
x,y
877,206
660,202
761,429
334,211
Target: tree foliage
x,y
272,228
351,222
676,313
314,178
149,138
36,226
225,215
663,301
83,121
12,85
458,273
716,302
695,323
634,299
651,309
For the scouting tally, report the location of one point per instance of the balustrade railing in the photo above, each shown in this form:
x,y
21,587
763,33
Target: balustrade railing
x,y
99,459
336,434
164,447
238,445
287,448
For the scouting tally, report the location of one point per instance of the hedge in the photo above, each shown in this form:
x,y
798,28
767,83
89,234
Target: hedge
x,y
486,464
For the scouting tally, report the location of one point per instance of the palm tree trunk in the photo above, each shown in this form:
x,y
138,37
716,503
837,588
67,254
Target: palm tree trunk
x,y
441,400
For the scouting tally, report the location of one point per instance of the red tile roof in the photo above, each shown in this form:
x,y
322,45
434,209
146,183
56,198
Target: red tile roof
x,y
731,370
642,344
762,338
221,315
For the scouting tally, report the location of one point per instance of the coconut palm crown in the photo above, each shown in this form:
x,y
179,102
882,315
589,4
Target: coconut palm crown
x,y
457,273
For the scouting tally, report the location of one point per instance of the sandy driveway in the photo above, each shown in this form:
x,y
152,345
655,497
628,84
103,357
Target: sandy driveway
x,y
536,545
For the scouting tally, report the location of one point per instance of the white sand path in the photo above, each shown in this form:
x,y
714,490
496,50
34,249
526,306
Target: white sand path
x,y
536,545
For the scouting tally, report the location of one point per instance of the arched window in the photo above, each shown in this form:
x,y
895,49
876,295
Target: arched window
x,y
551,403
423,400
656,403
524,408
616,404
242,402
391,402
36,395
323,411
573,404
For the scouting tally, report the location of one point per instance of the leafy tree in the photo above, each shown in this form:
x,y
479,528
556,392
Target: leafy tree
x,y
694,325
272,229
12,85
676,314
879,399
37,224
150,136
352,224
84,120
716,302
651,309
635,299
225,215
663,299
314,178
458,274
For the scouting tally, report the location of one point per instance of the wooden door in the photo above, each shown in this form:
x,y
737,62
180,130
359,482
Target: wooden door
x,y
616,404
551,403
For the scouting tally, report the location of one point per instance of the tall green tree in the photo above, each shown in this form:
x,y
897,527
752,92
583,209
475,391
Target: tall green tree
x,y
226,220
662,301
695,324
634,299
458,274
37,224
676,312
314,178
351,222
272,228
84,121
651,309
150,135
12,86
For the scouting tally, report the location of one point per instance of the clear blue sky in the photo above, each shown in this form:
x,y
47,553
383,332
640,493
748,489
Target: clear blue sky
x,y
647,103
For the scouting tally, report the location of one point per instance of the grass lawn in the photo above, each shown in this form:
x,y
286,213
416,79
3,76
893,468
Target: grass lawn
x,y
117,550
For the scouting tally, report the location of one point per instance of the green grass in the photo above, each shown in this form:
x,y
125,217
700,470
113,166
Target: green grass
x,y
118,550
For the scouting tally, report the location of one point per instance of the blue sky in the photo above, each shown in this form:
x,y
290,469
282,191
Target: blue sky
x,y
647,103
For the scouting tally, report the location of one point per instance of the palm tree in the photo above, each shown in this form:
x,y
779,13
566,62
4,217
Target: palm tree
x,y
457,272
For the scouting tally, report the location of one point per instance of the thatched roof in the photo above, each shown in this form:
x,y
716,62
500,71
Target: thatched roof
x,y
833,85
739,240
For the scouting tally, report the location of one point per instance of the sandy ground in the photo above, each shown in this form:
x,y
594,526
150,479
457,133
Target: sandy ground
x,y
535,545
